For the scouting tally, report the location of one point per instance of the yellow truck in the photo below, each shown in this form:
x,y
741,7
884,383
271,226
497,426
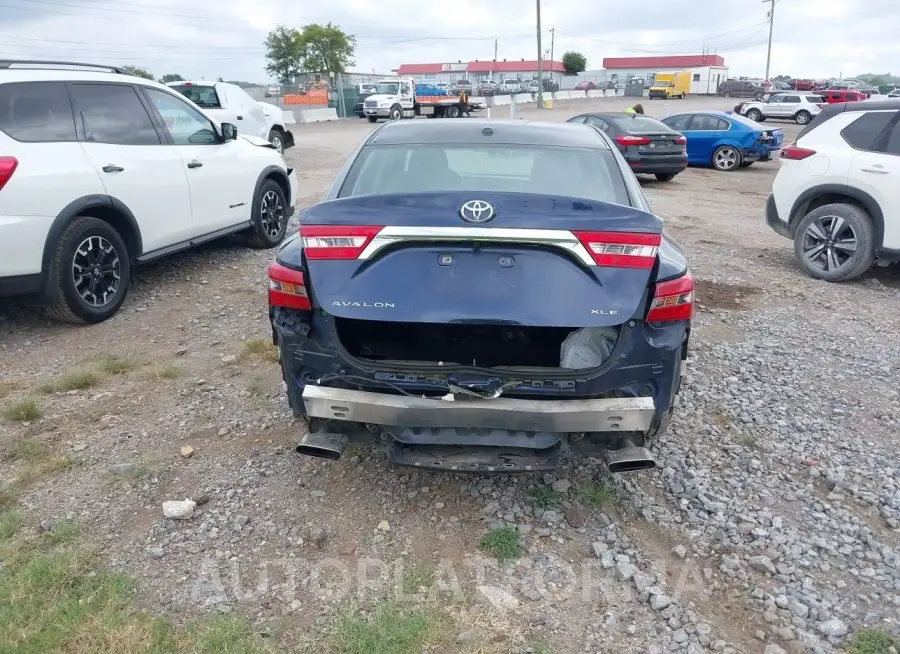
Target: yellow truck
x,y
671,85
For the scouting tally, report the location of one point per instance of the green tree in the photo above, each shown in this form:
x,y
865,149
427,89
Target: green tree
x,y
170,77
574,63
325,49
283,54
137,71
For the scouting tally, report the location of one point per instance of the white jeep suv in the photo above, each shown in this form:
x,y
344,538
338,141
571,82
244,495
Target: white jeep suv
x,y
837,193
100,171
794,105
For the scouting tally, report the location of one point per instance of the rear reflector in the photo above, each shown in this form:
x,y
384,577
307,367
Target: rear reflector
x,y
287,288
680,140
673,300
632,140
336,241
7,168
796,154
621,249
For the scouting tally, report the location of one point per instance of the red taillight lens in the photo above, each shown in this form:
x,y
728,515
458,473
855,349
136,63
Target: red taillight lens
x,y
680,140
8,166
796,154
287,288
336,241
621,249
632,140
673,300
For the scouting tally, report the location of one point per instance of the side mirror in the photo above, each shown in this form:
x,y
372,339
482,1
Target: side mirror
x,y
229,132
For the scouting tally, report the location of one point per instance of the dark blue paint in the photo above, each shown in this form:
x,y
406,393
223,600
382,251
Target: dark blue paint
x,y
513,210
701,144
544,286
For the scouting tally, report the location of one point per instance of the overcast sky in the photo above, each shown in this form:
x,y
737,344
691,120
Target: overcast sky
x,y
224,38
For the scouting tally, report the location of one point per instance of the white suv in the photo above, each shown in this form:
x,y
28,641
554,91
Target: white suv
x,y
837,193
796,106
100,171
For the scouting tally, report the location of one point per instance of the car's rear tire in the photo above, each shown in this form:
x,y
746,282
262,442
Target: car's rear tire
x,y
754,115
270,217
89,273
453,111
802,117
372,119
835,242
726,158
726,94
665,177
276,138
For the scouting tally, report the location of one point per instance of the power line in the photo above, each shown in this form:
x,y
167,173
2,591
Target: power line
x,y
624,46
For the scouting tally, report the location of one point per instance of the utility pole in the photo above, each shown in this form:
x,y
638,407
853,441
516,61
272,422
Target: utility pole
x,y
771,25
495,59
540,95
552,41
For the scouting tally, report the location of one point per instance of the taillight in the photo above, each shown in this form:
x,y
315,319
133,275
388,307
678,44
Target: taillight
x,y
632,140
336,241
621,249
796,154
680,140
287,288
7,168
673,300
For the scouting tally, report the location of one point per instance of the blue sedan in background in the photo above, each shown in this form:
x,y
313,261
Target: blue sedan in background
x,y
724,140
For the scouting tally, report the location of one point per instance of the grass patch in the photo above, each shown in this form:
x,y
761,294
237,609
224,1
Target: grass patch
x,y
111,364
31,450
503,544
873,641
25,410
417,578
9,387
53,598
544,497
596,494
44,468
390,628
255,385
163,372
260,348
75,380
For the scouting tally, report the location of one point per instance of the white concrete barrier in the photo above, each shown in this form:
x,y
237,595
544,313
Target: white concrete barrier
x,y
523,98
501,100
620,93
475,99
562,95
596,93
609,93
289,118
318,115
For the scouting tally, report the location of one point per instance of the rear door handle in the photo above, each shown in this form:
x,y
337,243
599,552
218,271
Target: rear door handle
x,y
878,171
112,168
194,164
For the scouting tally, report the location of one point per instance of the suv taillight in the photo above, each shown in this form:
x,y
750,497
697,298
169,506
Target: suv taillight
x,y
8,166
794,153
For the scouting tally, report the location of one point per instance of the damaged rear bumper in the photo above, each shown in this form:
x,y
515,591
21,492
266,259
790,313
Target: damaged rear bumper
x,y
606,415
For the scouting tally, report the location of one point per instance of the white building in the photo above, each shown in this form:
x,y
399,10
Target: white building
x,y
707,71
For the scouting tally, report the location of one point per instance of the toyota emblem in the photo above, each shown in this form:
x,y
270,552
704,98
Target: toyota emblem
x,y
477,211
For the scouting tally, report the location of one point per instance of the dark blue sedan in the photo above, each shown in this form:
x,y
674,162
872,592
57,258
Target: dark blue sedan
x,y
724,140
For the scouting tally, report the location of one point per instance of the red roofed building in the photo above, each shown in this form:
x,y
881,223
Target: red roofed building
x,y
707,71
481,70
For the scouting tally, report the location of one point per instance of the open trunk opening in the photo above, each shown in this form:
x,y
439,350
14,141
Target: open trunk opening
x,y
477,345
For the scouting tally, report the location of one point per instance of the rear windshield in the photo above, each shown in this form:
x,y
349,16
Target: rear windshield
x,y
743,120
202,96
637,123
574,172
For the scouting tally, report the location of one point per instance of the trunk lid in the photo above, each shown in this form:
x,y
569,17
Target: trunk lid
x,y
537,260
660,143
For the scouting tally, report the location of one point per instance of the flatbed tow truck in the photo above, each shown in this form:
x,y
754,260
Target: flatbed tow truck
x,y
395,99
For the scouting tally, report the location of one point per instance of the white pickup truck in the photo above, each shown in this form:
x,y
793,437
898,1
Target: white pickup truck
x,y
229,103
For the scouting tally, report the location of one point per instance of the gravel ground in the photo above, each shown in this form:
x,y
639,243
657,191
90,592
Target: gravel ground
x,y
770,526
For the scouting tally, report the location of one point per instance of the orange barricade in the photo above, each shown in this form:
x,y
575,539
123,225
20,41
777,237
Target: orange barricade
x,y
313,97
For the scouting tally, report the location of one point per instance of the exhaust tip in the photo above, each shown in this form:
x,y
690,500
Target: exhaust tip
x,y
322,445
628,459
